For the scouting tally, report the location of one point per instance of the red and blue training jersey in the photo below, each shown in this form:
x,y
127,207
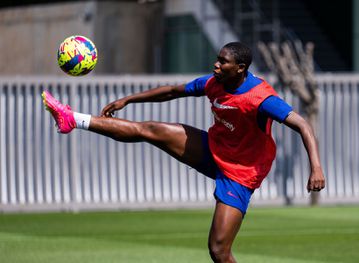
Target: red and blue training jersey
x,y
240,139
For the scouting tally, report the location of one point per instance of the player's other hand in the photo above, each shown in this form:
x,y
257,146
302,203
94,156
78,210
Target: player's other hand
x,y
109,110
316,181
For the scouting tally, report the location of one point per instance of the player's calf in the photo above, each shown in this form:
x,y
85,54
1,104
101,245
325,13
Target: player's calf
x,y
118,129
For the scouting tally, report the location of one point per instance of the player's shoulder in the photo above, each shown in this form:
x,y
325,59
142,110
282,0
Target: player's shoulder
x,y
263,84
202,80
196,87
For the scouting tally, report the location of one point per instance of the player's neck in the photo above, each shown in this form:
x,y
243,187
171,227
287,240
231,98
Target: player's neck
x,y
235,83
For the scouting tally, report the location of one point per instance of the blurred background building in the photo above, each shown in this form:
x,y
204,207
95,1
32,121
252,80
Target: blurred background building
x,y
173,36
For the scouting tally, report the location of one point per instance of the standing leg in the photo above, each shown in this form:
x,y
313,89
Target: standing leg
x,y
225,226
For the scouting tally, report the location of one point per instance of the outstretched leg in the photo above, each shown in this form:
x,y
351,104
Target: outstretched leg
x,y
225,226
180,141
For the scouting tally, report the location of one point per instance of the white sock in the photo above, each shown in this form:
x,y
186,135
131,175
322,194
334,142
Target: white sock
x,y
82,120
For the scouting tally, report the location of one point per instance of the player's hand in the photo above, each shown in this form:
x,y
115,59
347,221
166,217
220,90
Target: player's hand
x,y
316,181
109,110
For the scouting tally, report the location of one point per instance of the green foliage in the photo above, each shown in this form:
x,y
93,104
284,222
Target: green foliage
x,y
271,235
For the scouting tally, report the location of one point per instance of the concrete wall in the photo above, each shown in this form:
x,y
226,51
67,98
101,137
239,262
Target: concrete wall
x,y
131,36
126,34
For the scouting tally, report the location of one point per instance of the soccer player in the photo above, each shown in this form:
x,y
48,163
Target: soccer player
x,y
237,151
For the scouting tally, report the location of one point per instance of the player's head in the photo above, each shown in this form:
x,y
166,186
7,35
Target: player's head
x,y
232,62
241,53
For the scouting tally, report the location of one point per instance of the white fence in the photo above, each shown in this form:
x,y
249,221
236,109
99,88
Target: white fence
x,y
41,169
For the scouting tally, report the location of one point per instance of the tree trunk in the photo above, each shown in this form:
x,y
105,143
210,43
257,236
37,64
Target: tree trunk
x,y
294,67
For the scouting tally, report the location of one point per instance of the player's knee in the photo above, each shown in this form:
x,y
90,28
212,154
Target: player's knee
x,y
151,130
219,251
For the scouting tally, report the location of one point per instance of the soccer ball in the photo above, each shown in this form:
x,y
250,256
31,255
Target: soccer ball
x,y
77,55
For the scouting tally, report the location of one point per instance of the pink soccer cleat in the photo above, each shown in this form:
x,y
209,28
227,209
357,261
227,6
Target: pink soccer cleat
x,y
62,114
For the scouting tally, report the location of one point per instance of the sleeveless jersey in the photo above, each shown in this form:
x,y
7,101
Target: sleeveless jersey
x,y
241,149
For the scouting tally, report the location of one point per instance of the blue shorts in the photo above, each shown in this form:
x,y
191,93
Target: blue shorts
x,y
227,191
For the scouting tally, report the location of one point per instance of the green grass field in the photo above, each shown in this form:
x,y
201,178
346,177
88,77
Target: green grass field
x,y
270,235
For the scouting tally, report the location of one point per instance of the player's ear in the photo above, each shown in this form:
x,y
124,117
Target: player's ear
x,y
241,67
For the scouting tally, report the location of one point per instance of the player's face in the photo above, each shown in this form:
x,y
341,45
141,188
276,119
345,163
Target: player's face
x,y
226,68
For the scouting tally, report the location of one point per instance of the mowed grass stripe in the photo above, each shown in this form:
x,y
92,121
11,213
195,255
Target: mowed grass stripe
x,y
324,234
24,248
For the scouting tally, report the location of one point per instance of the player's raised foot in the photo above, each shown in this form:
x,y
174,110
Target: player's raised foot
x,y
62,114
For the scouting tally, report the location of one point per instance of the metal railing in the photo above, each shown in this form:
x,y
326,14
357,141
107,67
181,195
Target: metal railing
x,y
41,169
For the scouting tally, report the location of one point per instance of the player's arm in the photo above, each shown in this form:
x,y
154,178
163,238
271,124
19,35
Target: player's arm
x,y
316,181
163,93
277,109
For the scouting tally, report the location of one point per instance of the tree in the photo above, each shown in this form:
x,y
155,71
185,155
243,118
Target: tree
x,y
293,66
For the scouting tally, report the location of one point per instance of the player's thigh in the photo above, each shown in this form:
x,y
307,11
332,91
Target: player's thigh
x,y
183,142
226,223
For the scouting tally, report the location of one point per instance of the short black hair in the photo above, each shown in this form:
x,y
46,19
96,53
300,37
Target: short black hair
x,y
241,53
